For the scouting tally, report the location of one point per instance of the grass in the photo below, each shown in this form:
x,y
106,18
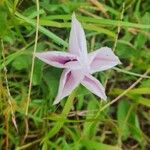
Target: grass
x,y
28,120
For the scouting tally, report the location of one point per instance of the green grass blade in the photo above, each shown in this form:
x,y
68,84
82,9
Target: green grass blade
x,y
51,35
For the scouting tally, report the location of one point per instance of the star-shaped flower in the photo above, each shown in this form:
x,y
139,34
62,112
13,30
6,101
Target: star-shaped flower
x,y
78,64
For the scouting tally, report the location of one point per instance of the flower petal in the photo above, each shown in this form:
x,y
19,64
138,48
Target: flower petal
x,y
94,86
59,59
77,40
102,59
69,80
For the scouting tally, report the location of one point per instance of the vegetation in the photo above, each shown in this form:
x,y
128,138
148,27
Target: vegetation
x,y
28,120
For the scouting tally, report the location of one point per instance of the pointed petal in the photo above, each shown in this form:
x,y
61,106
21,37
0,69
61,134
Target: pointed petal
x,y
69,80
102,59
59,59
94,86
77,40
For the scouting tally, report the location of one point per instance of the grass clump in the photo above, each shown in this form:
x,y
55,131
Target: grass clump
x,y
28,120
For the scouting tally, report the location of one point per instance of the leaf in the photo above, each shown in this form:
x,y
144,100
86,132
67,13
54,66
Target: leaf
x,y
51,79
122,111
90,128
51,35
136,91
135,127
21,62
128,121
94,145
58,125
140,100
66,146
142,38
140,41
145,83
73,133
82,92
37,75
90,27
101,21
125,51
3,21
38,66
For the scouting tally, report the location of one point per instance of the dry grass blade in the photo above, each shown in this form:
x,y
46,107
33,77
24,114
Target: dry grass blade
x,y
32,69
8,94
88,13
126,91
116,38
100,7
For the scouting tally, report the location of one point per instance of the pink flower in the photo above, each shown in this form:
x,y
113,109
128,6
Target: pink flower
x,y
78,64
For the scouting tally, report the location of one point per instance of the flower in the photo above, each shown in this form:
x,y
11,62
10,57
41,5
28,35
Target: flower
x,y
78,64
